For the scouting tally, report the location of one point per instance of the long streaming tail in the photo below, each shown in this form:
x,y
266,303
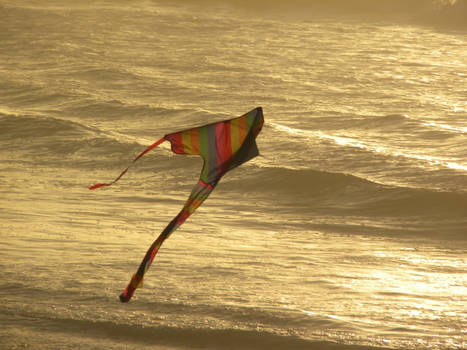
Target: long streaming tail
x,y
154,145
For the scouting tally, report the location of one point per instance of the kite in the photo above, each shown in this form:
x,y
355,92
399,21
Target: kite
x,y
223,146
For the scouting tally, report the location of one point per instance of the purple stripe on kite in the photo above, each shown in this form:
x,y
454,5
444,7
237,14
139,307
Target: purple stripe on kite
x,y
220,146
212,153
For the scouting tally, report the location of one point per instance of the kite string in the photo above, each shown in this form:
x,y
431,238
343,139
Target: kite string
x,y
154,145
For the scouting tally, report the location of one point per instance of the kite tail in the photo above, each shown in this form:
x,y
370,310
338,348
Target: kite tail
x,y
198,195
154,145
137,279
136,282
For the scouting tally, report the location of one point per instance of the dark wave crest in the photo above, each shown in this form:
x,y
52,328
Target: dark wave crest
x,y
315,191
51,140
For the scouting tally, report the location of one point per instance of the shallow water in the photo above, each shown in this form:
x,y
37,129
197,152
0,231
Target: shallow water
x,y
348,229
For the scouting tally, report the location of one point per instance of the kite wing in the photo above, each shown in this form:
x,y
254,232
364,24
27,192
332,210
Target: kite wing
x,y
223,146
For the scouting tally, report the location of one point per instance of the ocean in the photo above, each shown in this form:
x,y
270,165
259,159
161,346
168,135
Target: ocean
x,y
348,231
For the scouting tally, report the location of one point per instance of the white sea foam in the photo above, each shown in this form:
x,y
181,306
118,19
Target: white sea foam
x,y
426,160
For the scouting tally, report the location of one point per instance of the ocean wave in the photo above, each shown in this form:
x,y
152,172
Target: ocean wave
x,y
99,107
163,334
444,13
444,126
161,116
29,130
59,140
72,144
392,121
23,127
54,142
29,95
450,13
344,193
381,124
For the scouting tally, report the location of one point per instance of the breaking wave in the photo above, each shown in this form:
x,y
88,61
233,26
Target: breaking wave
x,y
384,124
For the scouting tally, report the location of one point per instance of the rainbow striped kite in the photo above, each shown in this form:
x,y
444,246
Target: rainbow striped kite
x,y
223,146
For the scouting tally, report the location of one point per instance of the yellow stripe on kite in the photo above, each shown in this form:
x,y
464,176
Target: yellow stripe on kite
x,y
186,140
234,135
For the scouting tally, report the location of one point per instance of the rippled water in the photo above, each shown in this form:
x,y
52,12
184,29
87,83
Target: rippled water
x,y
349,228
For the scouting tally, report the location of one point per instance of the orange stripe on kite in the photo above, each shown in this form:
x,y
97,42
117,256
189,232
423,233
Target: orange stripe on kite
x,y
242,129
